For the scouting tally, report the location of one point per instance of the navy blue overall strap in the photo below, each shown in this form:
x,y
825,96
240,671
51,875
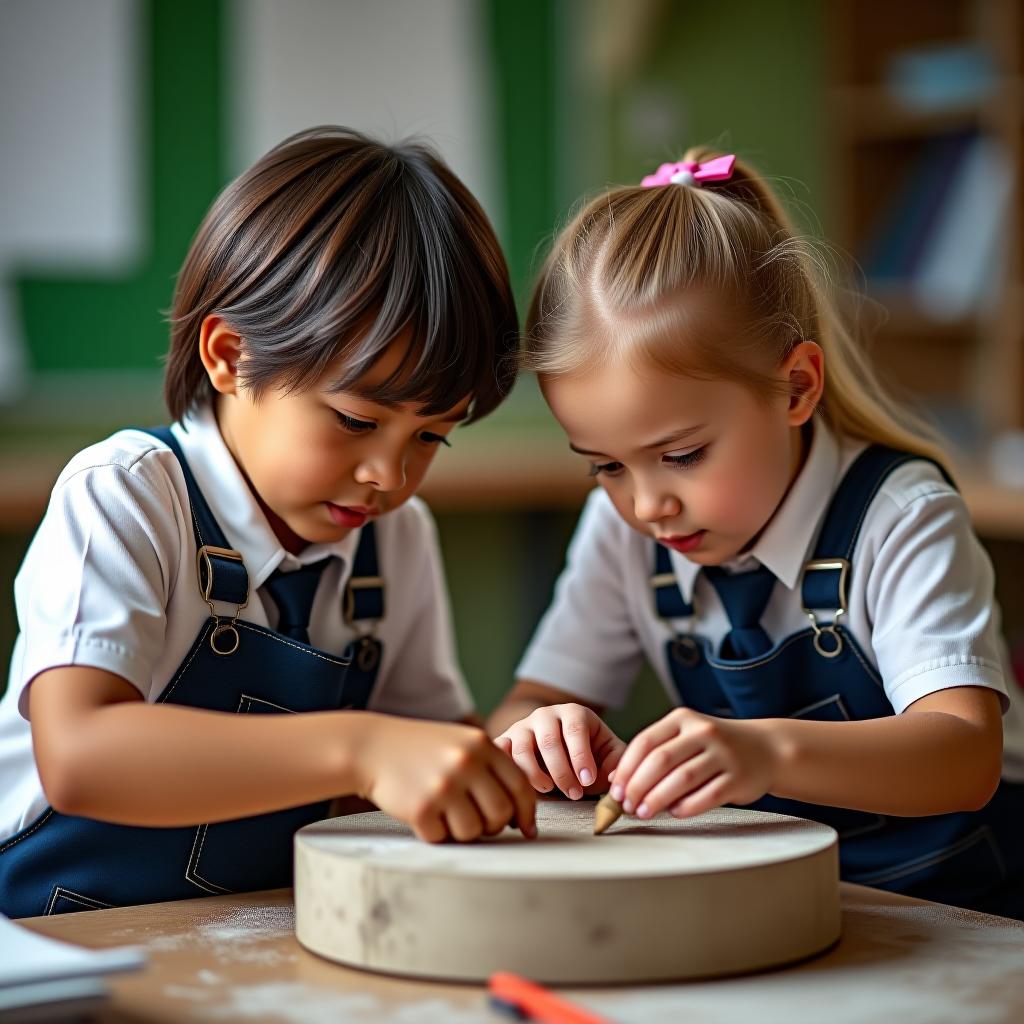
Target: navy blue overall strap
x,y
668,598
825,585
364,591
364,601
222,574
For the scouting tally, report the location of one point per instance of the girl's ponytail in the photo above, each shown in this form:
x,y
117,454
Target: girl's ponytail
x,y
634,269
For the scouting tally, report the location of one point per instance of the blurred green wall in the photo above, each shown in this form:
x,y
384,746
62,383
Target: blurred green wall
x,y
748,74
747,77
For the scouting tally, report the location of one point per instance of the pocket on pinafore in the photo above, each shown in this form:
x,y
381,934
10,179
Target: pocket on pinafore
x,y
249,853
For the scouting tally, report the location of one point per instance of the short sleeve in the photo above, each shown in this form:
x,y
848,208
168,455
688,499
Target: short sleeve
x,y
93,588
423,677
586,643
931,602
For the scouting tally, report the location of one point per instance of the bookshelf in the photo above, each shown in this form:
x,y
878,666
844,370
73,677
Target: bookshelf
x,y
908,79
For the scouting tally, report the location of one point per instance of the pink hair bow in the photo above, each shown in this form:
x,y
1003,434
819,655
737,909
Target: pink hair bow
x,y
687,172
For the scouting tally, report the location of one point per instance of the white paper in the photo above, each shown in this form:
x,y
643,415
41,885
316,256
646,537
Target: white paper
x,y
27,958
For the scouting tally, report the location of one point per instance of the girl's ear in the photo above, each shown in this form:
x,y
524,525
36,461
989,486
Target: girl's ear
x,y
804,369
220,349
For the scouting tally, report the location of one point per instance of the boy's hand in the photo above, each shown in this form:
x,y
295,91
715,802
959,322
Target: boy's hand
x,y
688,763
444,780
565,745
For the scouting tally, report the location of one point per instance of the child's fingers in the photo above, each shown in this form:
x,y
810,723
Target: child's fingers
x,y
713,793
638,749
504,744
556,760
682,780
610,763
519,789
524,754
430,827
654,768
463,818
576,733
606,747
493,802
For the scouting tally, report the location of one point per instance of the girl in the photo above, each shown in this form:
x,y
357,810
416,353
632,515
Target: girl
x,y
343,306
780,541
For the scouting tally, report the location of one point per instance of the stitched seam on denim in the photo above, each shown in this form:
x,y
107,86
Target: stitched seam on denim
x,y
260,700
192,854
192,868
59,892
290,643
714,663
184,477
199,857
764,661
253,629
184,668
195,519
865,664
192,875
930,860
205,831
834,699
39,824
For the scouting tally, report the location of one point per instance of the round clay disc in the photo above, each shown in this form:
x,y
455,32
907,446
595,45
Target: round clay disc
x,y
727,892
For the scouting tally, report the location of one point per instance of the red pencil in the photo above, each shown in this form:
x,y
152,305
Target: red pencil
x,y
538,1003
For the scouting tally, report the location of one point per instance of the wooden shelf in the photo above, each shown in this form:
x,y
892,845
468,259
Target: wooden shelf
x,y
976,361
874,115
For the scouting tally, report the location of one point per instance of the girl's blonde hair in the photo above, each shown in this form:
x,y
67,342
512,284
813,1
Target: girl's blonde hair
x,y
635,269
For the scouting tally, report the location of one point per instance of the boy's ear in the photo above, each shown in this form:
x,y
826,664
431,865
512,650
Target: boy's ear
x,y
220,349
804,368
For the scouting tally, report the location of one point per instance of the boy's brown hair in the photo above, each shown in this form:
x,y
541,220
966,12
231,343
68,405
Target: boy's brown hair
x,y
328,248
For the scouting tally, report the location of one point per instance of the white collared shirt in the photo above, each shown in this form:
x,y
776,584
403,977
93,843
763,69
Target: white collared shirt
x,y
109,581
920,598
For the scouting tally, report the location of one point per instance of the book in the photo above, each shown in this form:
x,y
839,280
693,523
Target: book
x,y
901,235
962,262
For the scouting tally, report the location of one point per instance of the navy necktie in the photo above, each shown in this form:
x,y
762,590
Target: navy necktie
x,y
745,596
293,593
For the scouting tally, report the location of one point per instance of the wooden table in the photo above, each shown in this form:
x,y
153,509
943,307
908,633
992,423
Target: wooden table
x,y
235,958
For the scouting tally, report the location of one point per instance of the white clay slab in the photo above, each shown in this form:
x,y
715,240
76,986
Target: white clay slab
x,y
727,892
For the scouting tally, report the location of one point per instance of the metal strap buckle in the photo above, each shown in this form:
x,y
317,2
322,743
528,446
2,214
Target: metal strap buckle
x,y
359,583
204,574
834,646
663,579
683,648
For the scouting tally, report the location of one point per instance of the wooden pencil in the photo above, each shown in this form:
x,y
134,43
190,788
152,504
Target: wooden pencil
x,y
606,813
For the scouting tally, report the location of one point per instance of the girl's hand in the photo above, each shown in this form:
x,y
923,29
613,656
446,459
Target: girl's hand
x,y
565,745
687,763
444,780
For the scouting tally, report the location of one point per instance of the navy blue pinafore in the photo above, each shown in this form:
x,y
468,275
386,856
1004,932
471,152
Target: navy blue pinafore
x,y
970,859
61,863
